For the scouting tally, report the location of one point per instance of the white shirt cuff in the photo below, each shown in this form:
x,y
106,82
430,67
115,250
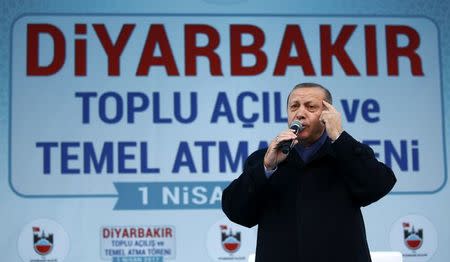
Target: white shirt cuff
x,y
269,172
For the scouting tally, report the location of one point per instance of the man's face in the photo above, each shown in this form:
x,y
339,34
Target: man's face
x,y
305,104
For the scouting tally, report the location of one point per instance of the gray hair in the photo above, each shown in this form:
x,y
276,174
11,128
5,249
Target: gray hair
x,y
328,96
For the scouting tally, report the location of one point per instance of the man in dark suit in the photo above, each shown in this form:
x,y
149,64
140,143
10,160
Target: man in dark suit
x,y
307,203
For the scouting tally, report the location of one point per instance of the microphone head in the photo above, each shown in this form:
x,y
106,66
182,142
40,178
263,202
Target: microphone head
x,y
296,125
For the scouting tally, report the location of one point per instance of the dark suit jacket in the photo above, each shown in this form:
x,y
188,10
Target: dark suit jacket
x,y
310,212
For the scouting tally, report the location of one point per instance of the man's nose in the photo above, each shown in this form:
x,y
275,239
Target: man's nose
x,y
300,114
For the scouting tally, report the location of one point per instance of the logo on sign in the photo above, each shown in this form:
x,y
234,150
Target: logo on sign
x,y
227,241
231,242
43,240
413,238
42,243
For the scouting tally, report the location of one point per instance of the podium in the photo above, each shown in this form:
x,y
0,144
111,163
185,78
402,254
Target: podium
x,y
386,256
376,256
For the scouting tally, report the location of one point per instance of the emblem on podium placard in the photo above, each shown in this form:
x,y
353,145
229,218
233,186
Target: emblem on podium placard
x,y
413,238
231,242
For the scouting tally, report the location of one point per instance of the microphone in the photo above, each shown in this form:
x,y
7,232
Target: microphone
x,y
286,146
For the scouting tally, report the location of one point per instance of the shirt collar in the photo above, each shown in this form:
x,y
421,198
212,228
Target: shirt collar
x,y
306,153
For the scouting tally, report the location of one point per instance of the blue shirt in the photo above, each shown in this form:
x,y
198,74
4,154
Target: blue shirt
x,y
306,153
